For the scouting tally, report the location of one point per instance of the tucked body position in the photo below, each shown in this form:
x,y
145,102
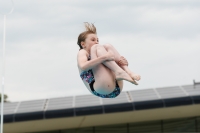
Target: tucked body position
x,y
101,67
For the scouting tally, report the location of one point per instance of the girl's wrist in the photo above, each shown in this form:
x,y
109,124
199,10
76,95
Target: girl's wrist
x,y
103,58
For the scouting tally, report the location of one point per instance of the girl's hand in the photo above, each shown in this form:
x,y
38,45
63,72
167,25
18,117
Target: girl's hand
x,y
110,56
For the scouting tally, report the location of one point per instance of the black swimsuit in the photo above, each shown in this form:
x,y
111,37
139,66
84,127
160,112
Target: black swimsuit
x,y
89,77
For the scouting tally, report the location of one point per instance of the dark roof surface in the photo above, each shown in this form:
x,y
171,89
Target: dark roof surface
x,y
89,104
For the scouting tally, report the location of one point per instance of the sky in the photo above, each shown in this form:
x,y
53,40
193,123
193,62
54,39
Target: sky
x,y
160,40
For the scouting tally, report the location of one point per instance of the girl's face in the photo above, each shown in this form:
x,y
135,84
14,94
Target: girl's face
x,y
90,40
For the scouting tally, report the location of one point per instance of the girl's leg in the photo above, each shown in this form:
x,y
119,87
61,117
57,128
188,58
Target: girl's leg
x,y
111,49
103,73
120,74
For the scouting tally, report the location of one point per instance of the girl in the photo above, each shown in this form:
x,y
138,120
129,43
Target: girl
x,y
101,67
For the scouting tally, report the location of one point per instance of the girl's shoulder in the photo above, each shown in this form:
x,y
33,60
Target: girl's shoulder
x,y
83,51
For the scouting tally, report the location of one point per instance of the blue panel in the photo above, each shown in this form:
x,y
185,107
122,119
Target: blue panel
x,y
118,107
89,110
143,95
9,108
192,90
196,99
178,101
8,118
59,103
59,113
148,104
86,101
31,106
171,92
29,116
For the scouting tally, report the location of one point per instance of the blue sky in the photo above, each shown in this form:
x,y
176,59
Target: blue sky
x,y
160,39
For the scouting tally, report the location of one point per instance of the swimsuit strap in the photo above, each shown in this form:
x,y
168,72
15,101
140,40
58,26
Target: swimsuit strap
x,y
89,57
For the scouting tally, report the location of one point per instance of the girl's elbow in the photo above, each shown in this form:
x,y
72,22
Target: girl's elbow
x,y
83,68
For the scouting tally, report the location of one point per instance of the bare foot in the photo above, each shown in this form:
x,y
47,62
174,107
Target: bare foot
x,y
134,76
124,76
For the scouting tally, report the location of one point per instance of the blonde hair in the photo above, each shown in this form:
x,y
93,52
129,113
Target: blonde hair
x,y
89,29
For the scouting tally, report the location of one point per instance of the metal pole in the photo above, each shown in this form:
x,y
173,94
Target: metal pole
x,y
3,69
3,72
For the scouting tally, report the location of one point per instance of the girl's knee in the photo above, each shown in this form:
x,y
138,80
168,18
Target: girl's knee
x,y
108,46
96,46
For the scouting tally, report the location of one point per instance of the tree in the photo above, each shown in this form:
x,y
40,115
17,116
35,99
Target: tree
x,y
5,97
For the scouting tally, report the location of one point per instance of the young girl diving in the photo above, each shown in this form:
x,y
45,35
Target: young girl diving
x,y
101,67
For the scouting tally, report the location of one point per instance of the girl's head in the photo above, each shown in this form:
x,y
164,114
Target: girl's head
x,y
88,36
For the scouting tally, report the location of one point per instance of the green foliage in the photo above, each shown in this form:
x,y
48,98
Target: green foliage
x,y
5,98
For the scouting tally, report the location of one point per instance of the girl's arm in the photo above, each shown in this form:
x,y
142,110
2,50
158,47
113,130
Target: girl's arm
x,y
85,65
